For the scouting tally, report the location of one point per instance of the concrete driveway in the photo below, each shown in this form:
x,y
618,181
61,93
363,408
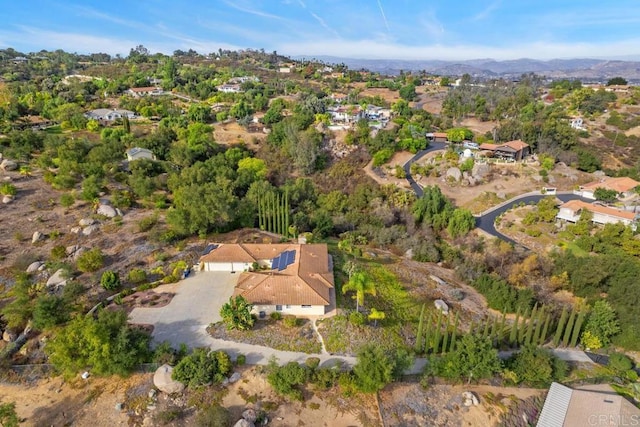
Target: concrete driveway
x,y
196,304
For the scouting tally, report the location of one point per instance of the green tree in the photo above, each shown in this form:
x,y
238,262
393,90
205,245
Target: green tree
x,y
605,195
473,359
287,379
461,222
49,311
236,314
433,208
374,369
106,345
408,92
110,280
361,284
535,367
619,362
202,367
602,322
376,315
617,81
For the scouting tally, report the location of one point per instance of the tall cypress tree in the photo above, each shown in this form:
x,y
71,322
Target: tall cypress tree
x,y
445,339
513,335
454,333
438,333
545,329
522,328
530,325
560,327
485,331
539,320
577,327
427,333
569,328
501,330
286,211
419,346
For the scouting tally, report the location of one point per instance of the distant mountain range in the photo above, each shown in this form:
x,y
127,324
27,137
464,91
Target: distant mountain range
x,y
585,68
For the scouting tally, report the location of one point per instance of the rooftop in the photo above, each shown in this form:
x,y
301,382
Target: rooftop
x,y
576,205
620,184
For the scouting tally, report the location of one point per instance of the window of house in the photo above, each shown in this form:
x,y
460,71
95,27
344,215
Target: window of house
x,y
287,306
306,306
278,308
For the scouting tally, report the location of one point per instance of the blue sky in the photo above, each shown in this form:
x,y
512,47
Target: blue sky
x,y
391,29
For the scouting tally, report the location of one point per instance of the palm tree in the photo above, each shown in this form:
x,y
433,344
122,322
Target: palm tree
x,y
361,284
376,315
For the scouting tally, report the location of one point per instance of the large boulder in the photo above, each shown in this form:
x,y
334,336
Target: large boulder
x,y
34,266
106,210
442,306
163,381
57,279
454,174
250,415
8,165
244,423
6,199
9,336
87,231
480,170
36,237
85,222
469,398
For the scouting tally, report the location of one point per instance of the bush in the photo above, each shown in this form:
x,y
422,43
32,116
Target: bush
x,y
90,261
241,359
356,318
287,379
620,362
236,314
8,189
276,315
312,362
110,280
67,200
136,276
214,415
202,367
58,252
292,321
146,224
374,369
49,311
165,353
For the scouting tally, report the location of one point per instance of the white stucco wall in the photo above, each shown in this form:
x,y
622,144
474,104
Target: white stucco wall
x,y
226,266
296,310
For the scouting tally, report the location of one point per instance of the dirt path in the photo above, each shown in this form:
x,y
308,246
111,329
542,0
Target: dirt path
x,y
315,329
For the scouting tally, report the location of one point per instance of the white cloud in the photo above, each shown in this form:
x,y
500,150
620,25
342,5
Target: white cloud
x,y
486,12
324,25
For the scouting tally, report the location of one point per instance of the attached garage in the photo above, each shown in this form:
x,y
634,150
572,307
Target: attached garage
x,y
226,266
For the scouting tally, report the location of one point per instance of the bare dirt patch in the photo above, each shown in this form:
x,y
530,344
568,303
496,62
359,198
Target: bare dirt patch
x,y
232,133
409,404
477,126
385,174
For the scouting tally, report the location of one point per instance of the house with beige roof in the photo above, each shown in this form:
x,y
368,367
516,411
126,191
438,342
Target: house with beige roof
x,y
137,92
596,405
624,185
572,210
287,278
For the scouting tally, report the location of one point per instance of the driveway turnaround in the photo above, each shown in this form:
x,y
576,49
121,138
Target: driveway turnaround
x,y
196,304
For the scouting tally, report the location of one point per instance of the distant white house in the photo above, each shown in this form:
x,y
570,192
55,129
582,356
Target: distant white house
x,y
230,88
577,123
285,70
137,92
346,114
109,114
137,153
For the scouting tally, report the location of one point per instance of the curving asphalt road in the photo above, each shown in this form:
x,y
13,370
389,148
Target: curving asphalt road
x,y
486,221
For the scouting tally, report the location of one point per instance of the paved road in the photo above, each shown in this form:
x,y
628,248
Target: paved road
x,y
485,221
433,146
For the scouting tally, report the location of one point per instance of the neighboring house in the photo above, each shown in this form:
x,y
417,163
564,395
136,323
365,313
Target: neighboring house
x,y
437,136
596,405
243,79
625,187
373,112
346,114
109,114
288,278
137,153
33,123
512,150
145,91
571,211
338,97
230,88
285,69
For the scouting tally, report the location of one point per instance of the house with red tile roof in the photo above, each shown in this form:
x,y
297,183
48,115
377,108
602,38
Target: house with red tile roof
x,y
624,186
137,92
292,279
572,210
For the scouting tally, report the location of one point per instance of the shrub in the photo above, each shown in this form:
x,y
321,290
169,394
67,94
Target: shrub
x,y
202,367
374,369
620,362
8,189
110,280
90,261
357,318
58,252
146,224
214,415
312,362
236,314
286,379
49,311
136,276
276,315
292,321
67,200
241,359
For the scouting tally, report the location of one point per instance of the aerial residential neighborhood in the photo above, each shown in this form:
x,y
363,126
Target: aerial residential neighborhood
x,y
354,221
